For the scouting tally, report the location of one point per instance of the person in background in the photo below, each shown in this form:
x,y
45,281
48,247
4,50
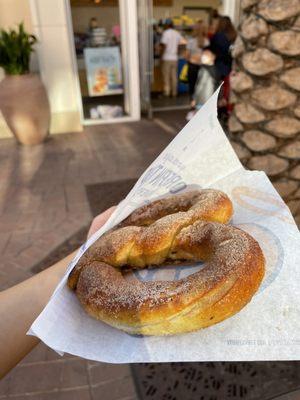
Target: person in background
x,y
97,36
194,52
205,84
93,24
220,45
215,17
170,41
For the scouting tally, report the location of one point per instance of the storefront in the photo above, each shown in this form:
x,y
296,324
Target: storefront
x,y
97,57
106,59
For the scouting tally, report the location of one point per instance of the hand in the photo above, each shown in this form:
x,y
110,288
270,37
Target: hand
x,y
21,304
100,220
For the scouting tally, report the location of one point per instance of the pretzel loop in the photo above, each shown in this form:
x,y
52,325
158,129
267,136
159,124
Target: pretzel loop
x,y
191,226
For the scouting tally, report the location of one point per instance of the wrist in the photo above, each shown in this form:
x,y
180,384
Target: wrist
x,y
47,280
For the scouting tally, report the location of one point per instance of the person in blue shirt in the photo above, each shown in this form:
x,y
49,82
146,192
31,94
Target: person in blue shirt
x,y
220,45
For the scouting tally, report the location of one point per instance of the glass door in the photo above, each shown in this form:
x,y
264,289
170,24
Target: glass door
x,y
105,42
153,18
145,32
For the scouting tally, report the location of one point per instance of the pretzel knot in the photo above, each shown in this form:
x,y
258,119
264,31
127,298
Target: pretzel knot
x,y
191,226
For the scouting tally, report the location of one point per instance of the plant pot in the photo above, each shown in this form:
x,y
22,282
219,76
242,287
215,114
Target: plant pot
x,y
25,107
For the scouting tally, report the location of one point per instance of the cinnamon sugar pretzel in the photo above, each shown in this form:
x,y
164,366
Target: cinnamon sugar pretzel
x,y
191,226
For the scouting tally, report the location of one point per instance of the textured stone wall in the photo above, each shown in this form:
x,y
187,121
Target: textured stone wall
x,y
265,124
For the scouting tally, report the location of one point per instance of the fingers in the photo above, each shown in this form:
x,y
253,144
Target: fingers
x,y
100,220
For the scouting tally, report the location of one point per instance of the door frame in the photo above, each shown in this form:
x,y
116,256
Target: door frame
x,y
130,63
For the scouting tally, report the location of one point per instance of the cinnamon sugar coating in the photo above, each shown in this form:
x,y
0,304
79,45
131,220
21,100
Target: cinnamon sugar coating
x,y
233,271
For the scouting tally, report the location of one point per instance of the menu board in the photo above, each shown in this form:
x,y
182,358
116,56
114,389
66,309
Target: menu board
x,y
103,70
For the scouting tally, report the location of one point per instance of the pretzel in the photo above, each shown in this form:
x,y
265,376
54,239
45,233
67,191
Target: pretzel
x,y
192,227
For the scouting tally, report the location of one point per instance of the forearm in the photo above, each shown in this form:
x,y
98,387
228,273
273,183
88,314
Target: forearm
x,y
19,306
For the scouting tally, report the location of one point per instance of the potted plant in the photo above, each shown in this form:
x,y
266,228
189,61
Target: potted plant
x,y
23,98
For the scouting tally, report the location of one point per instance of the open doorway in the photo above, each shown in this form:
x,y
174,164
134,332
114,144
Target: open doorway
x,y
154,19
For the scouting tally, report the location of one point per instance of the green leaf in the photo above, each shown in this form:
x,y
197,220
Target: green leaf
x,y
16,47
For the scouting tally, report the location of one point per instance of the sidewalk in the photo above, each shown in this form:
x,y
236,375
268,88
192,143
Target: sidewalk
x,y
43,203
48,197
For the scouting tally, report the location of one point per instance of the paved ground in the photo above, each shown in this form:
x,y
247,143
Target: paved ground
x,y
42,203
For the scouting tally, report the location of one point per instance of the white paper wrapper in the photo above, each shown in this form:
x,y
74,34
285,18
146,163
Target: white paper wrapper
x,y
268,328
